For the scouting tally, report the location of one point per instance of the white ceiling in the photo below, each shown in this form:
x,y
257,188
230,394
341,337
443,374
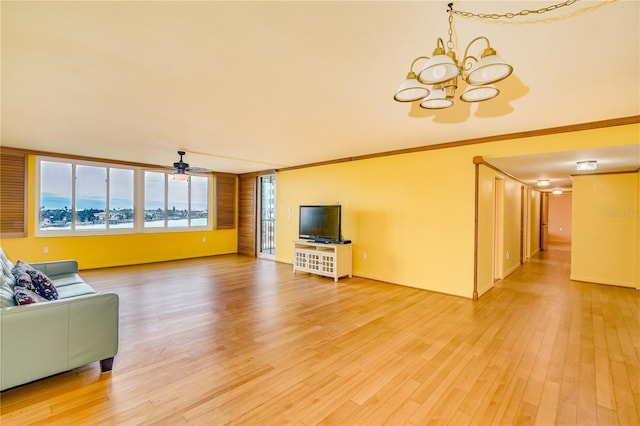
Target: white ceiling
x,y
559,167
248,86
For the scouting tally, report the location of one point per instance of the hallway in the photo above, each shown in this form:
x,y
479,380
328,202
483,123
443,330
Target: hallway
x,y
586,368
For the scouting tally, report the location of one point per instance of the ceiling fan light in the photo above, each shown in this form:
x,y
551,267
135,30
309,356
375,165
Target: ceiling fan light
x,y
586,165
180,175
489,69
438,69
479,93
437,99
411,90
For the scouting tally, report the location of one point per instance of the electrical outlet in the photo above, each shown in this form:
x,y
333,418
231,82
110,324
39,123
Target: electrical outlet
x,y
45,249
204,239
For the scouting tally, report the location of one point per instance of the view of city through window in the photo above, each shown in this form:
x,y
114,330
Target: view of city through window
x,y
105,198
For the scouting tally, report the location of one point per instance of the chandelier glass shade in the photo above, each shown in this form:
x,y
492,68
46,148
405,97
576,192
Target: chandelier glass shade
x,y
437,99
489,69
479,93
410,90
442,69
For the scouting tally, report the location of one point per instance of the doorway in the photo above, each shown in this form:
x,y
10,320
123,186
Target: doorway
x,y
498,227
559,224
544,221
267,219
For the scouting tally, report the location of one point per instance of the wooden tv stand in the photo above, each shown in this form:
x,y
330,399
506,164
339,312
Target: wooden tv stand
x,y
330,260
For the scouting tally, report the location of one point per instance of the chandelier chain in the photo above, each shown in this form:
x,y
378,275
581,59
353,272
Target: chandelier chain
x,y
524,12
450,43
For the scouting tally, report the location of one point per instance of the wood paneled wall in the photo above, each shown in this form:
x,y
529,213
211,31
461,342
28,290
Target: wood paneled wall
x,y
225,201
247,205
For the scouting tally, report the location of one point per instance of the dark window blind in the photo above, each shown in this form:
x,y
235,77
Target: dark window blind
x,y
225,202
13,200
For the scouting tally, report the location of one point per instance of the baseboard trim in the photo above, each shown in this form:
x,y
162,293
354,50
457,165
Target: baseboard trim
x,y
511,270
485,289
627,284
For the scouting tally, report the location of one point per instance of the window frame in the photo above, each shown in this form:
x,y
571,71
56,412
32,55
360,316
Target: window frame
x,y
138,201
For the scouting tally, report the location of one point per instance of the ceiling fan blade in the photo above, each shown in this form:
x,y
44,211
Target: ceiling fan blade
x,y
199,170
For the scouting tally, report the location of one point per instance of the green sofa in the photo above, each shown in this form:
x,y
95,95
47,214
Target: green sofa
x,y
41,339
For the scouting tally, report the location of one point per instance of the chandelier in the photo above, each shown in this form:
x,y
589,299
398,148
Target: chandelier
x,y
436,83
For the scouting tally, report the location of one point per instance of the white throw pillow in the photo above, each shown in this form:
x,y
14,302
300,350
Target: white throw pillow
x,y
6,293
7,266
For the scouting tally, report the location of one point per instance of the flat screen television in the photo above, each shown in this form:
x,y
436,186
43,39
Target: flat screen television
x,y
320,223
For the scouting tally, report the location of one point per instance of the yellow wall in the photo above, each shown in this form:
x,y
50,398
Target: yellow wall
x,y
605,236
413,214
508,231
534,221
512,218
486,228
391,212
113,250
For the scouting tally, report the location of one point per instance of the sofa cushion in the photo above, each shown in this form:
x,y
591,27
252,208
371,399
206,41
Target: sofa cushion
x,y
6,293
27,297
6,266
73,290
32,279
66,279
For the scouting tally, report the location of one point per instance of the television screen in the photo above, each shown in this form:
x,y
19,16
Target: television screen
x,y
320,223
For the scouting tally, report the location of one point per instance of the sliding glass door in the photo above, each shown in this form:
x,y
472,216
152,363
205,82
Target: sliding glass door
x,y
267,219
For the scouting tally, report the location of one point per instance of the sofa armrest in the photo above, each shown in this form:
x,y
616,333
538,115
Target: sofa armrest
x,y
47,338
57,267
93,329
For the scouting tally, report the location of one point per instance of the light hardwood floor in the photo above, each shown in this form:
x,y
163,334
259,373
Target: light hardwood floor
x,y
236,340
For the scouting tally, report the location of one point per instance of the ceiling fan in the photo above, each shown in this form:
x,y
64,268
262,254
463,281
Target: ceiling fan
x,y
180,168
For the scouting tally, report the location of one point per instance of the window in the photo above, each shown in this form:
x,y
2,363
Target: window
x,y
121,184
177,203
199,201
171,203
91,198
154,200
55,195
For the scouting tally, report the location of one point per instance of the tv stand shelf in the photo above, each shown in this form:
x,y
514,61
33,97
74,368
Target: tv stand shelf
x,y
330,260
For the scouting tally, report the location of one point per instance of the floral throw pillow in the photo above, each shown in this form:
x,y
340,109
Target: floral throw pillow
x,y
40,283
26,297
44,286
23,279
